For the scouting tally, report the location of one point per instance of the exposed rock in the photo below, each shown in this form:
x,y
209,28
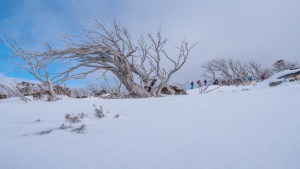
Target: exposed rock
x,y
272,84
101,93
286,76
60,90
176,91
2,96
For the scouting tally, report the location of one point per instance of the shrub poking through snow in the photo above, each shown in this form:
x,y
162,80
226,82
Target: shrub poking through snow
x,y
63,126
75,118
82,115
72,118
98,111
38,120
38,96
45,132
80,129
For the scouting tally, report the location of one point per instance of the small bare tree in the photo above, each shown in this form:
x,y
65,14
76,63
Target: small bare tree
x,y
5,91
267,72
95,89
255,69
238,70
32,63
231,71
219,67
156,53
12,91
80,93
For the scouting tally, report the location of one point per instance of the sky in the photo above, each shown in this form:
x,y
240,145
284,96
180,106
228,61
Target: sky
x,y
248,30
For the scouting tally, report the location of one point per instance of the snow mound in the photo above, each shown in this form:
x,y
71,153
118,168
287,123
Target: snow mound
x,y
277,78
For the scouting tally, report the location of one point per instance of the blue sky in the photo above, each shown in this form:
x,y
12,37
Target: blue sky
x,y
260,30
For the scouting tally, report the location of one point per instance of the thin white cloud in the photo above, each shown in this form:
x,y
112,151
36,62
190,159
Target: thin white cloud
x,y
8,81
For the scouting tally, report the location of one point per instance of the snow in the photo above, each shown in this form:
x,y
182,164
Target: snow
x,y
228,128
275,77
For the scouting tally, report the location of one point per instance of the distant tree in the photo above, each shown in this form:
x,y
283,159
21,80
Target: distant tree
x,y
5,91
267,72
231,71
12,91
33,63
215,67
80,93
239,70
255,70
228,71
95,89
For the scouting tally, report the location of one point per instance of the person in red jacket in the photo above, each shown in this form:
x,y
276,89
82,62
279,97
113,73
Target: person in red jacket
x,y
263,77
199,83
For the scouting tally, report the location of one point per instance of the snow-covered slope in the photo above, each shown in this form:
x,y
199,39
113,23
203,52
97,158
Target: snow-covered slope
x,y
276,78
229,128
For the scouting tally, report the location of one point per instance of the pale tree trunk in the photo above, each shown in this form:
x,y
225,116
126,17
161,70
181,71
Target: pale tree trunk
x,y
133,88
52,96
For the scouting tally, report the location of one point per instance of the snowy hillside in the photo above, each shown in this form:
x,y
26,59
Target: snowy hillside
x,y
248,127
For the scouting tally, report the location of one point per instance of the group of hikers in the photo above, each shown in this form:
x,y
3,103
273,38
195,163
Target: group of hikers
x,y
249,80
216,82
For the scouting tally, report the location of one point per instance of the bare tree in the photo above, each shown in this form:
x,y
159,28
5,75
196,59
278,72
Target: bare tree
x,y
33,63
5,91
238,70
216,67
267,72
113,91
211,68
232,72
235,72
255,69
80,93
12,91
94,89
156,54
111,50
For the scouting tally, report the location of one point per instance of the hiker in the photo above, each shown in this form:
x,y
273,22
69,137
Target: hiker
x,y
192,85
199,83
263,77
205,82
216,82
250,79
